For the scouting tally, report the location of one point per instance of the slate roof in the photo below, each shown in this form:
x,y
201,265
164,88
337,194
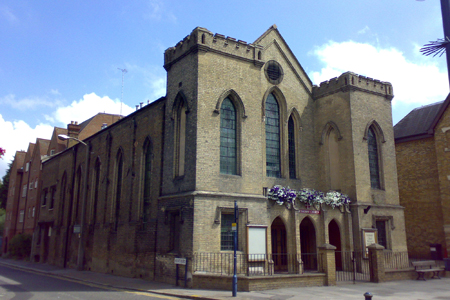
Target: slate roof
x,y
417,123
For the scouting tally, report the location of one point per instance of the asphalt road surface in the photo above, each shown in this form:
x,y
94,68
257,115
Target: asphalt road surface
x,y
21,285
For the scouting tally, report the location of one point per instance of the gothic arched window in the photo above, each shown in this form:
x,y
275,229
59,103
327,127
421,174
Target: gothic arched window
x,y
147,184
273,164
292,148
96,191
180,136
119,174
374,165
228,140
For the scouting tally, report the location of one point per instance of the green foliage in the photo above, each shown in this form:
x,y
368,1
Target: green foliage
x,y
4,187
20,246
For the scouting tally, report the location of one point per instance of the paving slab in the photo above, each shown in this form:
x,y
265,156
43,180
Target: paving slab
x,y
437,289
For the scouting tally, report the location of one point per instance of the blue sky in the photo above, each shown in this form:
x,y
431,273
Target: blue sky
x,y
59,60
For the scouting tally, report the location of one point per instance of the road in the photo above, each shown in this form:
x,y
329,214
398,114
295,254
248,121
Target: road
x,y
16,284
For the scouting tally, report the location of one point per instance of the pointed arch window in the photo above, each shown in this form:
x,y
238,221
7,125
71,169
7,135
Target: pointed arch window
x,y
119,169
292,149
228,140
147,185
374,165
333,160
180,136
96,190
62,198
272,113
78,197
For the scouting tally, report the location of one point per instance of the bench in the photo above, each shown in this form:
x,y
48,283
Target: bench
x,y
426,266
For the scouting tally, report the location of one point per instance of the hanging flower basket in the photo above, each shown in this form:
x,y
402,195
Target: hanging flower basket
x,y
282,195
308,197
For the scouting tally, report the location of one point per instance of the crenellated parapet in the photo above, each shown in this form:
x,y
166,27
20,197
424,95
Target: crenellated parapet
x,y
201,39
350,81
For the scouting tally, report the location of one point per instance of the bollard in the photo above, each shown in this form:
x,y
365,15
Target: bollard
x,y
368,296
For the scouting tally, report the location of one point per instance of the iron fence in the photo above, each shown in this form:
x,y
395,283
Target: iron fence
x,y
255,264
403,260
396,260
352,266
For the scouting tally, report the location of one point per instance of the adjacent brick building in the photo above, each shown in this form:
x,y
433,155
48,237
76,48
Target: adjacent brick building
x,y
422,147
237,119
22,208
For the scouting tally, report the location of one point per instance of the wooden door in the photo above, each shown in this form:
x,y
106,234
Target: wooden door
x,y
279,247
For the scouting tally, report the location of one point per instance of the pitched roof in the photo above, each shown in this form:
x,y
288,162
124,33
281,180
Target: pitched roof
x,y
260,41
420,122
43,146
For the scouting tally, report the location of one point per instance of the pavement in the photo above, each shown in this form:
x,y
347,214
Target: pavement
x,y
398,290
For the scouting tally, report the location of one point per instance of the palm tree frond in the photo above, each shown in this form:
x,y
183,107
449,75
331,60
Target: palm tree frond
x,y
435,47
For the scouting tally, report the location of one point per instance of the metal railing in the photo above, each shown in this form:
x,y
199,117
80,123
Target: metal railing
x,y
255,264
352,266
396,260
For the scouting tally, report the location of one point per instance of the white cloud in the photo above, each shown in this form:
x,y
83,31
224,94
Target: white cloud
x,y
15,136
415,82
25,104
158,87
85,108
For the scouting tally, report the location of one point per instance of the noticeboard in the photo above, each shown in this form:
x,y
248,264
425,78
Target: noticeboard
x,y
257,242
369,237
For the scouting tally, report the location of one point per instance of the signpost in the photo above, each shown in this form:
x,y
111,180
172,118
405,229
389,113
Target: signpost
x,y
181,261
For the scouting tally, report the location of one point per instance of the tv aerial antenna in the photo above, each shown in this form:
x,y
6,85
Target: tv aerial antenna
x,y
124,71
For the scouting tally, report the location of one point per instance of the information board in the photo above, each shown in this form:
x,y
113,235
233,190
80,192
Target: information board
x,y
257,242
369,237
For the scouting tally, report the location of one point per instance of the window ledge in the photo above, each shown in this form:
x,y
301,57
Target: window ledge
x,y
231,175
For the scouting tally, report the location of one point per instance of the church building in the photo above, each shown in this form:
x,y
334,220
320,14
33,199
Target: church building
x,y
308,167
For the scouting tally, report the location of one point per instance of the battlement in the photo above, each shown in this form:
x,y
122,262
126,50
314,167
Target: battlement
x,y
352,81
201,39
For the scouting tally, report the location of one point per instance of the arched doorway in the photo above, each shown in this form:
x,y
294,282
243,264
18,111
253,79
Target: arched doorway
x,y
308,244
279,248
335,240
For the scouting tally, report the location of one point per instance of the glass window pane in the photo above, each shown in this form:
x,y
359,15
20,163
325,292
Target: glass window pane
x,y
291,140
273,164
228,146
373,159
226,235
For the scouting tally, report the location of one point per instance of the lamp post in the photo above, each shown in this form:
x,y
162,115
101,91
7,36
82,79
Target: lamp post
x,y
445,8
80,260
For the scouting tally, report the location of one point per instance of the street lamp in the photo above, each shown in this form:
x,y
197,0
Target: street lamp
x,y
64,137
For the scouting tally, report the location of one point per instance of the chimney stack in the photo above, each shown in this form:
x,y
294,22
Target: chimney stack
x,y
73,130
